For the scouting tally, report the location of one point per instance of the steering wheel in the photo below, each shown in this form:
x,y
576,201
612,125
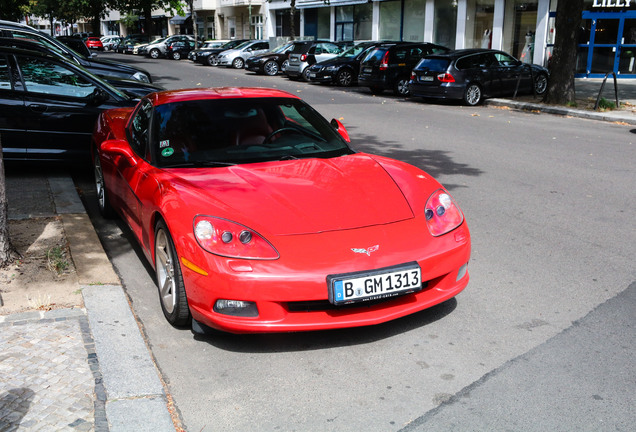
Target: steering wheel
x,y
269,137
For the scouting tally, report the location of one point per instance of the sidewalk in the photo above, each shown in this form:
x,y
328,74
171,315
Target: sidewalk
x,y
587,90
80,369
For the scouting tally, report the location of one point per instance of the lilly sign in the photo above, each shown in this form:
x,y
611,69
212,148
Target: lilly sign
x,y
612,3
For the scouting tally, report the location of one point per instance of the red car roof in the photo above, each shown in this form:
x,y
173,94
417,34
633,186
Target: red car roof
x,y
171,96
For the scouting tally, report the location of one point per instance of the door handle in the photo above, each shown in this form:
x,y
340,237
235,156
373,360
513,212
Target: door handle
x,y
39,108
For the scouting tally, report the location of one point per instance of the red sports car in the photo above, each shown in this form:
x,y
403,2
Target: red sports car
x,y
258,217
94,43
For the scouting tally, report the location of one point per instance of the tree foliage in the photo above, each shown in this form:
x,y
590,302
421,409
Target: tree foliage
x,y
13,10
145,8
563,63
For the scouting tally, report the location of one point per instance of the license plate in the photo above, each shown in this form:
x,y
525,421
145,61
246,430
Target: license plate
x,y
312,75
367,70
426,78
375,284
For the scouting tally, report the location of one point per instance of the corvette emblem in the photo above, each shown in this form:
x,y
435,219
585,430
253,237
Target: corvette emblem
x,y
366,251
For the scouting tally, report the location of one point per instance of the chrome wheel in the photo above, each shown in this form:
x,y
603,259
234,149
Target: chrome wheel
x,y
172,295
540,84
283,67
344,78
100,189
473,95
154,53
402,87
271,68
176,55
238,63
164,260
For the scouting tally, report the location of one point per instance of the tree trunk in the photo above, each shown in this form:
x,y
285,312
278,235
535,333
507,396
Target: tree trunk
x,y
292,24
563,62
7,252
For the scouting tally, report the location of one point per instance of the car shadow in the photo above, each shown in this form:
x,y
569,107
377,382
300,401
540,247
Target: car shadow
x,y
324,339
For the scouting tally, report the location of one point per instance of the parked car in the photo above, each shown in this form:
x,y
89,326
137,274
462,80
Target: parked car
x,y
48,106
235,57
207,45
76,44
474,74
208,57
389,66
111,42
271,62
102,68
180,49
94,43
305,55
261,229
343,69
131,87
159,48
128,44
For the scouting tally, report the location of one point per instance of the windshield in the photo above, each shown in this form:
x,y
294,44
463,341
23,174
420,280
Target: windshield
x,y
282,48
354,51
204,133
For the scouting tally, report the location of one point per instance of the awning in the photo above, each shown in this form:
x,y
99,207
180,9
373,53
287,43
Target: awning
x,y
304,4
179,19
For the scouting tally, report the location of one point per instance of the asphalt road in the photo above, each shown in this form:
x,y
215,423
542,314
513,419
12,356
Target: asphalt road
x,y
543,337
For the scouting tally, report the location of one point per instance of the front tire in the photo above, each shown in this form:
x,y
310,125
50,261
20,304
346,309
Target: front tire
x,y
283,67
473,95
212,61
172,295
344,78
270,68
103,200
238,63
305,75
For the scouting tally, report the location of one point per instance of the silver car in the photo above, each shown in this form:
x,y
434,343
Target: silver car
x,y
236,57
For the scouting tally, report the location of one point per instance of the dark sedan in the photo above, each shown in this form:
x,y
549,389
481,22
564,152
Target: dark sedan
x,y
48,106
271,62
342,70
208,57
474,74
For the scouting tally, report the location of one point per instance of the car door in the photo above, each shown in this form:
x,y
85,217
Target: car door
x,y
59,114
509,70
325,51
12,125
258,49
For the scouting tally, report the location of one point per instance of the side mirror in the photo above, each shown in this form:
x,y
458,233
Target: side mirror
x,y
339,127
113,148
98,97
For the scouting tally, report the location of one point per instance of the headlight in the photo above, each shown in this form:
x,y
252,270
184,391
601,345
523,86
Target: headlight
x,y
230,239
140,76
442,214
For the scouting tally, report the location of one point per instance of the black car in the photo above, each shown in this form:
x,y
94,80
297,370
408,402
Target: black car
x,y
474,74
180,49
48,106
204,46
388,66
343,69
127,45
208,57
271,62
76,44
132,88
103,68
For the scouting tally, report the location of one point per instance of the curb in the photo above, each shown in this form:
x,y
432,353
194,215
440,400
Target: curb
x,y
609,116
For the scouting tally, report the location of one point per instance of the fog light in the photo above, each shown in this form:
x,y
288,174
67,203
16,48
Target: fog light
x,y
236,308
462,272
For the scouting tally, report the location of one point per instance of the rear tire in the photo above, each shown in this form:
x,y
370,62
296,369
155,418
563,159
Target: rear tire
x,y
305,75
172,295
176,55
473,95
154,53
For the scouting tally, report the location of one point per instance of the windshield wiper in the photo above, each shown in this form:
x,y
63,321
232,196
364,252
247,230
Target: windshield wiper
x,y
200,164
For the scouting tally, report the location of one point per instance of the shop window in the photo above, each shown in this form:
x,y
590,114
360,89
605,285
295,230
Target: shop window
x,y
520,24
390,20
479,25
414,20
445,29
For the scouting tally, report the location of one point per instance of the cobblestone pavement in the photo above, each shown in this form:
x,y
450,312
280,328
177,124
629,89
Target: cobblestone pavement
x,y
49,374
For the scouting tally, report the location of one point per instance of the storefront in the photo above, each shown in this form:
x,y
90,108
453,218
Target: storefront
x,y
607,42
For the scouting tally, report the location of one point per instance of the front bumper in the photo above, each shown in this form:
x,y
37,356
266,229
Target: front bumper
x,y
292,293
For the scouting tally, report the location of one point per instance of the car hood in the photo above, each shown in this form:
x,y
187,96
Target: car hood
x,y
300,196
336,61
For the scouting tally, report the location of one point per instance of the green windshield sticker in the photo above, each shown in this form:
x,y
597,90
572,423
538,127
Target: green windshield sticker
x,y
167,152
